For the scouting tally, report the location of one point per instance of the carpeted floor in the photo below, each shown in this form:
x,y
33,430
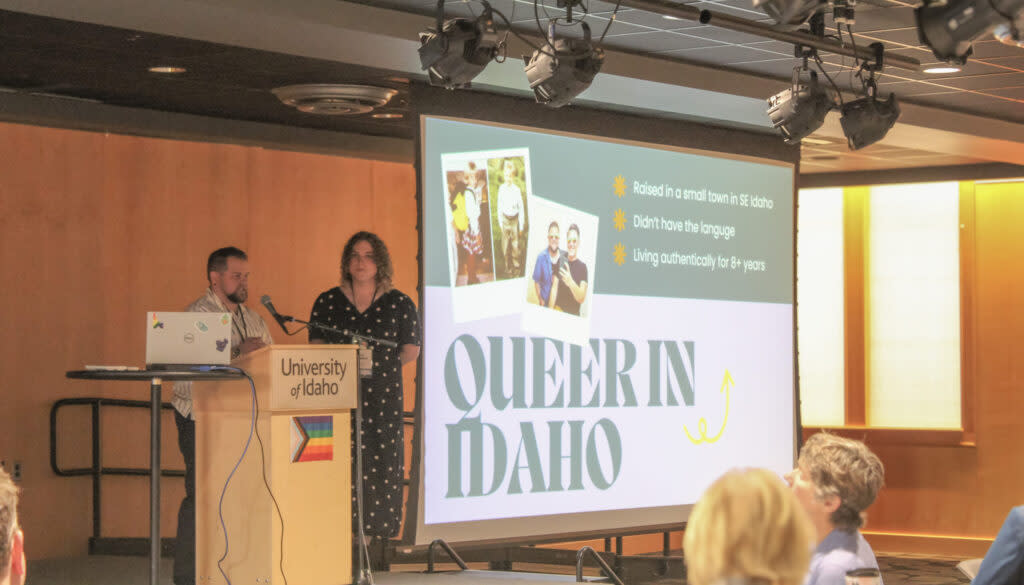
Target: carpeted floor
x,y
109,570
914,570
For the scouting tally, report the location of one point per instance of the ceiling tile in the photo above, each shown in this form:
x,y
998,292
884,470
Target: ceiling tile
x,y
994,80
1016,93
598,23
905,37
719,55
657,42
985,49
651,20
874,18
1015,62
959,100
743,10
722,35
776,68
593,6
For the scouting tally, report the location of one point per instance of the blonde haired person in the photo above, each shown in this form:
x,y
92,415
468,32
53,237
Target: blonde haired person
x,y
835,480
12,545
747,528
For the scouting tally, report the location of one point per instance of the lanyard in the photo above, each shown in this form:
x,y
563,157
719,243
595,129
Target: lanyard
x,y
243,331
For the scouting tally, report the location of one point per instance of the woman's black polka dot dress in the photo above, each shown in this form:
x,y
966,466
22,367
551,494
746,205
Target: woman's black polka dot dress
x,y
391,316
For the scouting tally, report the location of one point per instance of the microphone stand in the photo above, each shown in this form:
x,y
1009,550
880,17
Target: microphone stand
x,y
365,373
358,337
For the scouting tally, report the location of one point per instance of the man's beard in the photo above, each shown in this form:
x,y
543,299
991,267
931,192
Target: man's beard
x,y
238,297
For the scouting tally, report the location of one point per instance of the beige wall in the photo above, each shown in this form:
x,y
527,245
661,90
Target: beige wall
x,y
95,229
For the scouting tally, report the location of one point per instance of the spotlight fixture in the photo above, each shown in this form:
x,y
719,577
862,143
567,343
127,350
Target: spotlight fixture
x,y
949,27
798,111
563,68
866,121
457,50
791,13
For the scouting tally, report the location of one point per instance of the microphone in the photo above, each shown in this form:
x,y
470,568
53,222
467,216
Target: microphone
x,y
281,319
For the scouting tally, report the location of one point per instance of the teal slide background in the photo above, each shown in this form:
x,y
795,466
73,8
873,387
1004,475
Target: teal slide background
x,y
581,173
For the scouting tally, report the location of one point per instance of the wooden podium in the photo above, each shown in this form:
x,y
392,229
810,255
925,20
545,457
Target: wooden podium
x,y
304,394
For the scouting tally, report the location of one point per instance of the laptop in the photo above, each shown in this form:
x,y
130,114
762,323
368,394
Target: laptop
x,y
187,339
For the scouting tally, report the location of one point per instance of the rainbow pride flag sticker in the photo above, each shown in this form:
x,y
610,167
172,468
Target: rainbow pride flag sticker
x,y
312,438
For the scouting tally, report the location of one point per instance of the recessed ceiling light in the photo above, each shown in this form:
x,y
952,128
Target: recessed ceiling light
x,y
670,17
812,140
167,69
387,116
942,69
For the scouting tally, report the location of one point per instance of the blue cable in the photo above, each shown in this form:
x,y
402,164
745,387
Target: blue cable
x,y
248,441
252,430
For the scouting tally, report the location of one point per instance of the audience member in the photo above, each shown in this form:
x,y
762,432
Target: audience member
x,y
1004,561
835,480
12,541
747,528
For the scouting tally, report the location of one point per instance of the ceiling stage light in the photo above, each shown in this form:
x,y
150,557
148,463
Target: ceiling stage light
x,y
563,68
866,121
800,110
458,49
949,27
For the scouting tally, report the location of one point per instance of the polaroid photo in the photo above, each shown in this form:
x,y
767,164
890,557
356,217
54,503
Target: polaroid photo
x,y
486,197
562,260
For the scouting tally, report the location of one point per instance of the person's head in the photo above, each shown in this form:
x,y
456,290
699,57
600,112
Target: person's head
x,y
508,169
227,270
836,479
366,258
553,235
748,526
12,540
572,241
470,174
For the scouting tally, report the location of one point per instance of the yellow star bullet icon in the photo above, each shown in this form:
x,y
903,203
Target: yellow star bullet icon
x,y
620,254
619,220
620,186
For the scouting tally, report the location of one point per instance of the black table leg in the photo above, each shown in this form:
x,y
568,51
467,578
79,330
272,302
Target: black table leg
x,y
154,482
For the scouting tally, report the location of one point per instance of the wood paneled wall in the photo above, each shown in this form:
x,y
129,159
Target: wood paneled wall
x,y
96,229
953,499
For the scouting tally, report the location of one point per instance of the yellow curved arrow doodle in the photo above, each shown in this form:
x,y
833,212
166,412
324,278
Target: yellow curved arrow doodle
x,y
702,424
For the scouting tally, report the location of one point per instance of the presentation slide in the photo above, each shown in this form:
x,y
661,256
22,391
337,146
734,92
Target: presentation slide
x,y
608,327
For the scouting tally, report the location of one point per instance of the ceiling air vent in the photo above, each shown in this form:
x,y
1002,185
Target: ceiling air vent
x,y
334,100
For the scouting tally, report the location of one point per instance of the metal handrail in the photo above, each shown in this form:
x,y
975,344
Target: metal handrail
x,y
580,554
96,469
451,553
